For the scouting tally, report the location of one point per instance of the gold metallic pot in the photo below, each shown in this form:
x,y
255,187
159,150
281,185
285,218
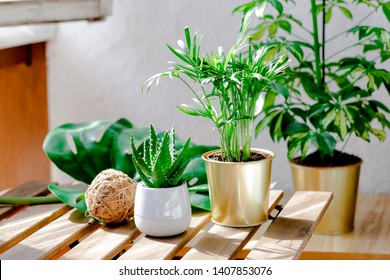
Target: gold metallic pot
x,y
343,181
239,190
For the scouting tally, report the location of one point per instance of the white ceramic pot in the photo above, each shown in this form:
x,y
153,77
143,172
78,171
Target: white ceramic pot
x,y
162,212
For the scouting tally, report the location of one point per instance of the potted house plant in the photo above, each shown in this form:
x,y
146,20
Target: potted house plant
x,y
84,150
328,94
162,204
229,89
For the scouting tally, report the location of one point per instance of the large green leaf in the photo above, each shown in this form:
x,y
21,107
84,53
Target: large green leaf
x,y
204,188
196,169
76,149
294,128
326,143
72,197
200,201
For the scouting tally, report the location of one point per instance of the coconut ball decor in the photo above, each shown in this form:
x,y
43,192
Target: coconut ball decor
x,y
110,197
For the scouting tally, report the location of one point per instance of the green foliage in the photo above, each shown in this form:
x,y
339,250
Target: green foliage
x,y
158,162
83,150
328,94
71,197
28,200
79,151
229,88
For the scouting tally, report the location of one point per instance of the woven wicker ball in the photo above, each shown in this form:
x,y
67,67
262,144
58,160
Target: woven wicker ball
x,y
110,197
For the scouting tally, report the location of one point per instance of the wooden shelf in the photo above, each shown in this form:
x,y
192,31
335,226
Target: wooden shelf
x,y
18,12
16,36
369,240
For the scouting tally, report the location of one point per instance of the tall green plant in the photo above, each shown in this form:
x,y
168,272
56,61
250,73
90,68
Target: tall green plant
x,y
228,88
328,91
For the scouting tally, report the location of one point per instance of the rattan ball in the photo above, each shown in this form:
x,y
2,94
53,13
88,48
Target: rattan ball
x,y
110,197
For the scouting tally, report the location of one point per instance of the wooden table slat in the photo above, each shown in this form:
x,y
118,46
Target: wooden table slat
x,y
28,189
104,243
307,255
287,236
165,248
28,221
371,233
51,239
225,242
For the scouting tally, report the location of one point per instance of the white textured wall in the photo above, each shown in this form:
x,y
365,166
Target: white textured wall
x,y
95,71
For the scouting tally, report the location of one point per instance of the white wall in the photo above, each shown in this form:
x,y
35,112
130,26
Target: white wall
x,y
95,71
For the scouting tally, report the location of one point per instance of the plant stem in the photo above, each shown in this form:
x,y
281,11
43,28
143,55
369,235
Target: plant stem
x,y
351,84
191,89
345,31
323,41
298,24
29,200
345,144
347,48
299,37
246,129
316,42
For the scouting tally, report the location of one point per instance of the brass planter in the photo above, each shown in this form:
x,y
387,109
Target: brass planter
x,y
343,181
239,190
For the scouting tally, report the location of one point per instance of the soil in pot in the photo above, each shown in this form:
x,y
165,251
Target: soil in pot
x,y
338,159
255,156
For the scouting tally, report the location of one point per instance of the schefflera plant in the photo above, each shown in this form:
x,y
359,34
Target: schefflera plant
x,y
158,161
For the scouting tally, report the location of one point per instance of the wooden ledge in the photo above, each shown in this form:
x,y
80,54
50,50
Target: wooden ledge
x,y
370,238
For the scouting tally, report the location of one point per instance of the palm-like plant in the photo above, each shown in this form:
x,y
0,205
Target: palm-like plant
x,y
328,93
228,88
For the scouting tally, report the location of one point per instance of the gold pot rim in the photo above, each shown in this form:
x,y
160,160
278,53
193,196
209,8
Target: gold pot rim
x,y
206,156
298,165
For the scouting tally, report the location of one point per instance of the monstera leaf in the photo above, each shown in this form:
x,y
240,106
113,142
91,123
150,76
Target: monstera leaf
x,y
76,149
84,150
74,198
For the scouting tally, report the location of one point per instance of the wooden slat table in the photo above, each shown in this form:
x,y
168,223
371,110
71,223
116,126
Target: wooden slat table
x,y
370,239
56,231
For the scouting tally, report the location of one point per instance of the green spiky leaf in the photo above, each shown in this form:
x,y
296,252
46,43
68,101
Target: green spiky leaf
x,y
170,163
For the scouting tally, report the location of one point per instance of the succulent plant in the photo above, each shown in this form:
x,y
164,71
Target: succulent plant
x,y
158,162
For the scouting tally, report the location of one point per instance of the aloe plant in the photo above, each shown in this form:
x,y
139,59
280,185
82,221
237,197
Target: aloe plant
x,y
158,162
